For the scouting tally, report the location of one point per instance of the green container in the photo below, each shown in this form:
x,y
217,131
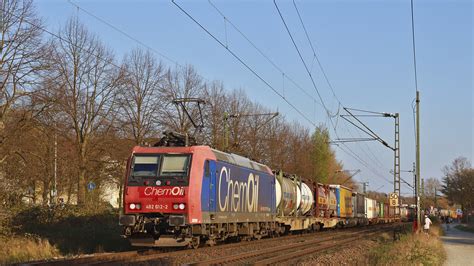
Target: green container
x,y
381,210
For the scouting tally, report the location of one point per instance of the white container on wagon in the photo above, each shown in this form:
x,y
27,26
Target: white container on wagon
x,y
371,208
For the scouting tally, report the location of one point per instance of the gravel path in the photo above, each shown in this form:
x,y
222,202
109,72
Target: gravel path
x,y
459,246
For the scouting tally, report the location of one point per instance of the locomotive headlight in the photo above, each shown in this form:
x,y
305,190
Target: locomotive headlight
x,y
138,206
132,206
181,206
158,182
175,206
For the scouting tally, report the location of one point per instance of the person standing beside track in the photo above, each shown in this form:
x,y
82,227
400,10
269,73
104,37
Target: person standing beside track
x,y
426,226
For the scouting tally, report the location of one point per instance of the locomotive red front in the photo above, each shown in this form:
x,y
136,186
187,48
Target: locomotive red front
x,y
159,192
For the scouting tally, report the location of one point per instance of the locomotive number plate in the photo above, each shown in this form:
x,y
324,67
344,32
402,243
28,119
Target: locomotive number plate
x,y
156,206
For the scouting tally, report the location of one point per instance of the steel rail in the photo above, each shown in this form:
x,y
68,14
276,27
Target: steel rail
x,y
313,249
245,257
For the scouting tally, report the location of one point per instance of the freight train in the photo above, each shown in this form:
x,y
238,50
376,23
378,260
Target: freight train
x,y
187,196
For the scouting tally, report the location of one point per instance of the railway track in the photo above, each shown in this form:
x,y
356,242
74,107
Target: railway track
x,y
297,245
284,253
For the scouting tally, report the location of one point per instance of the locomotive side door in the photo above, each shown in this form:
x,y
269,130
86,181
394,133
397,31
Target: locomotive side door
x,y
212,186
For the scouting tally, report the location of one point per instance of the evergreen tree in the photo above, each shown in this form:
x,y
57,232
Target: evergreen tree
x,y
321,155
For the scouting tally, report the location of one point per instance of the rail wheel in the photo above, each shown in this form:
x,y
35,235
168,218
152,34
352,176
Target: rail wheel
x,y
195,243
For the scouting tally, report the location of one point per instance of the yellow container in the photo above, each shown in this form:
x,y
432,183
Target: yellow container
x,y
345,202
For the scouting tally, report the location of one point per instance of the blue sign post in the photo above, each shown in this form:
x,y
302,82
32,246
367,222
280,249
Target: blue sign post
x,y
91,186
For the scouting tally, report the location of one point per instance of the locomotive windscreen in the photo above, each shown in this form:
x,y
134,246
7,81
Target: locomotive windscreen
x,y
175,165
168,169
145,166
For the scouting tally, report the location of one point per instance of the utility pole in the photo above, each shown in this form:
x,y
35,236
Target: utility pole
x,y
422,188
417,192
225,143
396,160
414,181
396,148
55,186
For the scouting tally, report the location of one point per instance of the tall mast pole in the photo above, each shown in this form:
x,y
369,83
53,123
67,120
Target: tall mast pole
x,y
396,166
417,192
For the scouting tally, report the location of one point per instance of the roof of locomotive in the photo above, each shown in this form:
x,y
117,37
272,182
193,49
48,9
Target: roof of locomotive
x,y
236,159
219,155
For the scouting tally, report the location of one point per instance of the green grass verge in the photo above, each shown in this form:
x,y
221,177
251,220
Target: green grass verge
x,y
411,249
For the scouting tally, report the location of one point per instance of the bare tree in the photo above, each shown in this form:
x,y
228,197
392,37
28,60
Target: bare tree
x,y
140,100
87,83
21,54
238,103
216,101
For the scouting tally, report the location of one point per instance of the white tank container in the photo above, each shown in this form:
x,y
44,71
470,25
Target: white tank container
x,y
307,199
277,192
289,194
286,196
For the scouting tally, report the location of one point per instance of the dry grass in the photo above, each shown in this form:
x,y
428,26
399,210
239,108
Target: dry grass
x,y
411,249
14,249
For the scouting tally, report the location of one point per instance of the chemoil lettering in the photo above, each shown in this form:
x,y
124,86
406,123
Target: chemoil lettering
x,y
237,196
154,191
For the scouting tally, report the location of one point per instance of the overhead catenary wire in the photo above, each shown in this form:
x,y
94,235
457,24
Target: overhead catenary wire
x,y
413,43
168,58
315,55
302,60
132,38
125,34
374,158
57,36
353,154
306,67
176,63
259,50
327,79
244,64
361,161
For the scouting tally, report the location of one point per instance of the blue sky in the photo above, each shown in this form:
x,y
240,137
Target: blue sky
x,y
365,48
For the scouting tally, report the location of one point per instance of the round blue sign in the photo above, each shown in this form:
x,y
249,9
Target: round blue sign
x,y
91,185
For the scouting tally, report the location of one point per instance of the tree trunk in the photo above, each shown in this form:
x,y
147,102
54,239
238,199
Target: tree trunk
x,y
34,192
69,191
45,191
81,182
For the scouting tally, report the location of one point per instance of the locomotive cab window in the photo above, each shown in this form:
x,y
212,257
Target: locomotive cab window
x,y
175,165
145,166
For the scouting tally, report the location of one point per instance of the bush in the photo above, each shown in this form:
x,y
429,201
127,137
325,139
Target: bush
x,y
434,219
73,229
